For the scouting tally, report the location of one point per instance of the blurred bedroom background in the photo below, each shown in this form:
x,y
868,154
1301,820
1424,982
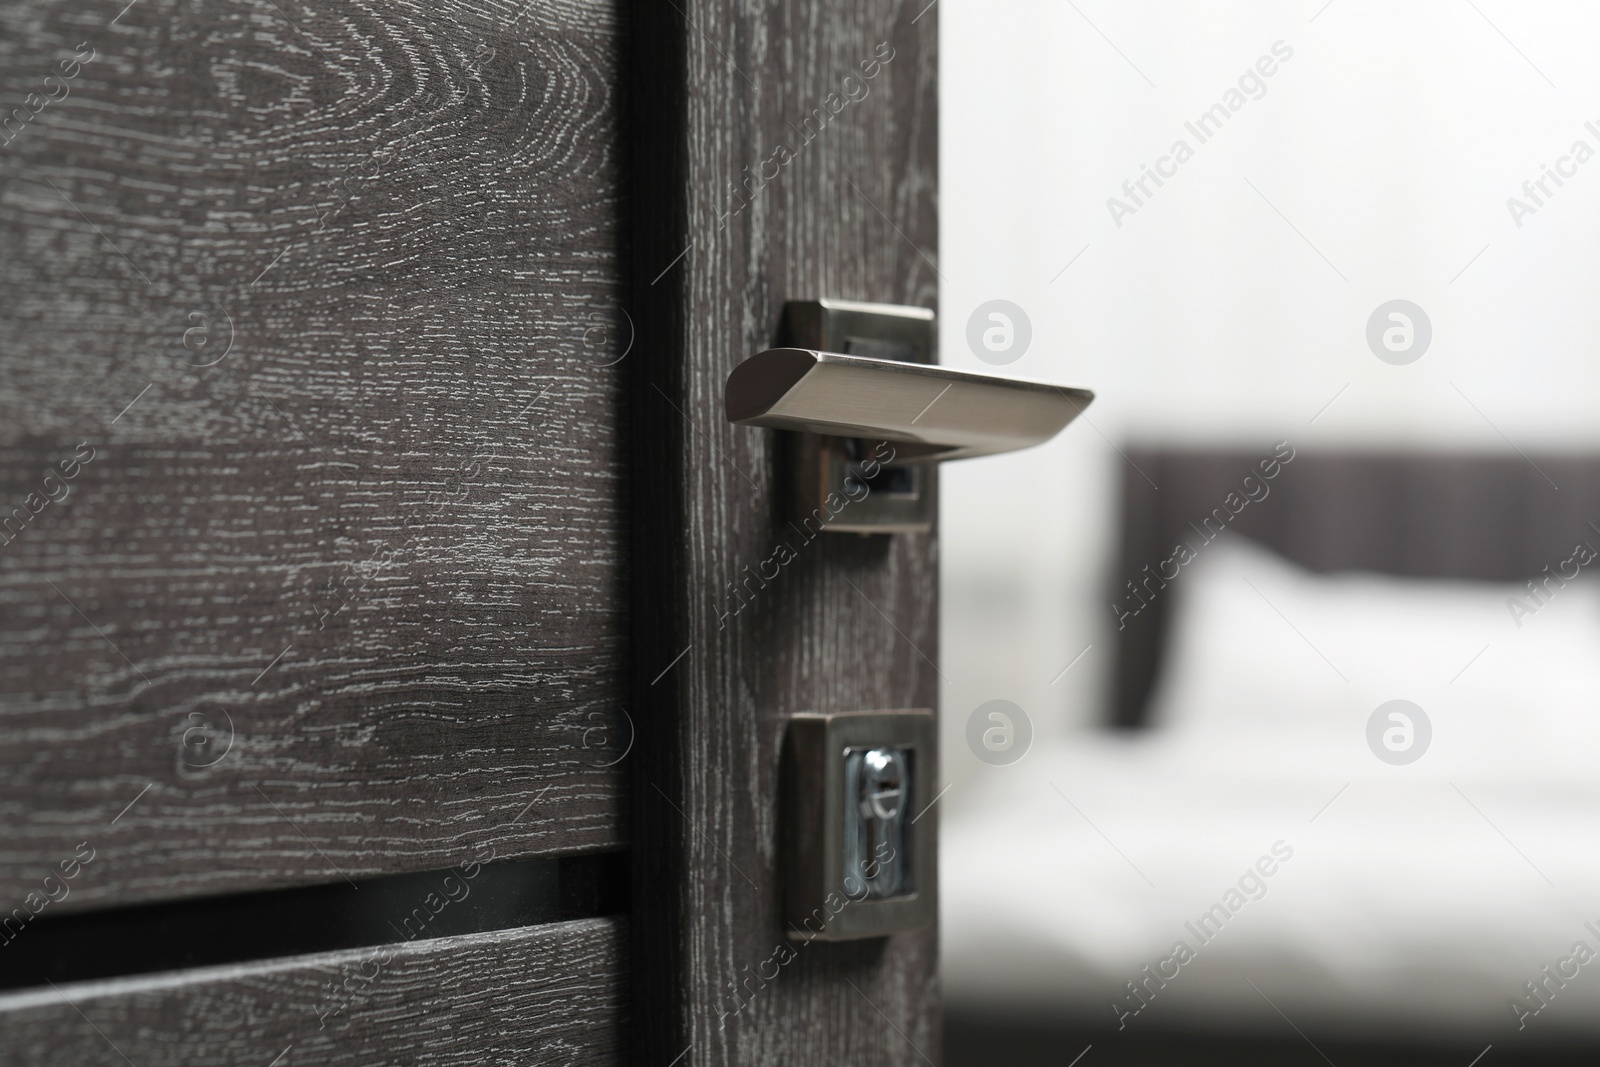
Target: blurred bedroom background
x,y
1364,153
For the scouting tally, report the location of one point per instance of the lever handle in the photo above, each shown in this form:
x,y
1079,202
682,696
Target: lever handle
x,y
938,412
859,375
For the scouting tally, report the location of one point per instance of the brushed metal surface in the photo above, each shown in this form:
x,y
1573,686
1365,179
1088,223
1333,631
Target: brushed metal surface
x,y
941,412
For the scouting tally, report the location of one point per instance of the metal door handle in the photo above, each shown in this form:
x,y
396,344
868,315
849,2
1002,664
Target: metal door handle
x,y
873,414
940,413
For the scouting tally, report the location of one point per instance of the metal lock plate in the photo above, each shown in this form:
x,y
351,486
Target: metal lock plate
x,y
859,836
850,484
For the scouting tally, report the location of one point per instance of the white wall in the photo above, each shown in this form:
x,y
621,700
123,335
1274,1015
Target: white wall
x,y
1391,140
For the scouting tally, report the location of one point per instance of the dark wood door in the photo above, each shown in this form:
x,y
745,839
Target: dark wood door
x,y
366,505
797,159
311,484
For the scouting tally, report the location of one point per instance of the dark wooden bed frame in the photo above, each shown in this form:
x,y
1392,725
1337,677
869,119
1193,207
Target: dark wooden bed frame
x,y
1433,515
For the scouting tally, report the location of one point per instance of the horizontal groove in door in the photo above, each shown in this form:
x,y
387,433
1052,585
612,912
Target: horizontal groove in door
x,y
551,994
473,898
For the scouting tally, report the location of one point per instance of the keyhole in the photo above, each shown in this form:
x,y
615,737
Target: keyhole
x,y
884,784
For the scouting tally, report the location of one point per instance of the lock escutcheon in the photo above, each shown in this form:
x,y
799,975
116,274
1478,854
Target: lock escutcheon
x,y
858,827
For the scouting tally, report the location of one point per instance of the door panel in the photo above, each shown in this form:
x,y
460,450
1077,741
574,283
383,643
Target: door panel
x,y
316,304
850,622
322,308
548,994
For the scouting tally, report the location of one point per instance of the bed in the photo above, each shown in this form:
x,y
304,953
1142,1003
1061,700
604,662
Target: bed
x,y
1257,861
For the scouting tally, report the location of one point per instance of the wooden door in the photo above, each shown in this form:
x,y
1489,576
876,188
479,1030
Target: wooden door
x,y
798,160
312,492
366,499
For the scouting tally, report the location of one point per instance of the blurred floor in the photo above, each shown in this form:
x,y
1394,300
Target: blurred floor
x,y
989,1040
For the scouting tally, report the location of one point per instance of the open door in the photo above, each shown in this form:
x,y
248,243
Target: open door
x,y
781,154
399,644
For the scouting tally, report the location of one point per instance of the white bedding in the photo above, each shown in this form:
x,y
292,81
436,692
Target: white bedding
x,y
1420,899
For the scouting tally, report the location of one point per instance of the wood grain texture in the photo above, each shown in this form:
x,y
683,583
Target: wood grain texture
x,y
851,623
552,994
328,290
1480,517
